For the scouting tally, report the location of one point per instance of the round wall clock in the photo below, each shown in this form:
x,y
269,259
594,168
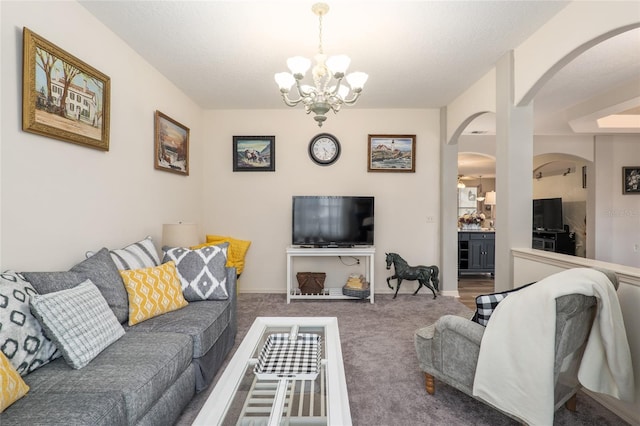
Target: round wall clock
x,y
324,149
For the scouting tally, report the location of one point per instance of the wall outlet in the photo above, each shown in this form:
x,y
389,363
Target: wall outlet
x,y
431,219
636,248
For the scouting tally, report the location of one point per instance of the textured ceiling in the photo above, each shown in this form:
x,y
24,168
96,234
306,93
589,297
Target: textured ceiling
x,y
418,54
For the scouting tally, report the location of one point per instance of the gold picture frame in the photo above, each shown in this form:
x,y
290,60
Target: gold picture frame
x,y
63,97
171,152
391,153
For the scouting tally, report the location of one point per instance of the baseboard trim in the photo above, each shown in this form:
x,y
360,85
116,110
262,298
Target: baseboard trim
x,y
450,293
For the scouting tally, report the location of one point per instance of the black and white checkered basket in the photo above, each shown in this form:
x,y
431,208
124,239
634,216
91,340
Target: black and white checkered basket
x,y
283,358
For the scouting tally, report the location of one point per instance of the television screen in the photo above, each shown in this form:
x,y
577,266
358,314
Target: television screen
x,y
332,221
547,214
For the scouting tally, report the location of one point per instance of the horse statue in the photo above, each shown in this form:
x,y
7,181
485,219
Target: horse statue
x,y
422,273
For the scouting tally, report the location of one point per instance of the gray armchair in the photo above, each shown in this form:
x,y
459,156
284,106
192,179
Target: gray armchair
x,y
448,349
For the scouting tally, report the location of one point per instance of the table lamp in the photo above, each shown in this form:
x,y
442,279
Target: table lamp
x,y
180,234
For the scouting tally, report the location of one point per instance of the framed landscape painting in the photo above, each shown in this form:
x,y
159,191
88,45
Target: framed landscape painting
x,y
254,153
63,97
391,153
171,145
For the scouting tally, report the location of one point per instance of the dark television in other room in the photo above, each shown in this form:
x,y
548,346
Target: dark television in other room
x,y
547,214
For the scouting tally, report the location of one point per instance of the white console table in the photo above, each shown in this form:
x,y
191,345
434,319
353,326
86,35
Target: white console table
x,y
330,292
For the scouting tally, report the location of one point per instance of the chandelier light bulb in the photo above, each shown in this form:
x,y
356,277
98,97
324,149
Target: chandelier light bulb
x,y
357,80
325,95
338,65
298,65
285,81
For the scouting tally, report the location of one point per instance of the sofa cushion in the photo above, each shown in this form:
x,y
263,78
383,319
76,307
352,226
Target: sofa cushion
x,y
139,367
203,321
202,272
89,408
487,303
236,253
22,339
141,254
103,272
100,269
153,291
79,321
12,387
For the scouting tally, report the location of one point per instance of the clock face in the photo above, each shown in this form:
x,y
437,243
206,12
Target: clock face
x,y
324,149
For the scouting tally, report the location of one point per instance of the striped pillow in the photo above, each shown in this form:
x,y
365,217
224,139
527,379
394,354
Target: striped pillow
x,y
142,254
78,320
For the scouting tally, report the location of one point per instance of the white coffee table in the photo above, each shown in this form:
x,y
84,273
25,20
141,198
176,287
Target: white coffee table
x,y
239,398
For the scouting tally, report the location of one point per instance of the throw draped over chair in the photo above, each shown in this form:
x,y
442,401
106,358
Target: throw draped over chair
x,y
448,350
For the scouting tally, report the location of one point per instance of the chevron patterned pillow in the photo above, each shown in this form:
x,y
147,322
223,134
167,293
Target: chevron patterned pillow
x,y
153,291
202,272
12,387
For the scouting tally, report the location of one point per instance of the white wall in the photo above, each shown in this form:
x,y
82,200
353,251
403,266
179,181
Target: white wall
x,y
616,214
60,199
256,206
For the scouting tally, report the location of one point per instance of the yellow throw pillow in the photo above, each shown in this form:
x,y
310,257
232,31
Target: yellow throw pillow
x,y
12,386
153,291
236,252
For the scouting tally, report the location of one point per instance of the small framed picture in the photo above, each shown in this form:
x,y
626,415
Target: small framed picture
x,y
254,153
631,180
391,153
63,97
171,145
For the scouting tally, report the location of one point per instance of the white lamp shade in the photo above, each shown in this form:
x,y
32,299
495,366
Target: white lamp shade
x,y
490,198
180,234
284,80
338,64
298,65
357,80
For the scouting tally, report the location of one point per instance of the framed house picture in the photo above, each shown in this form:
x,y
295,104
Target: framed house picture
x,y
391,153
171,145
63,97
254,153
631,180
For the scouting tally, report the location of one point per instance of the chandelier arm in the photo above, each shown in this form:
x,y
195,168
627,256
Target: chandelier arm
x,y
302,93
290,102
353,100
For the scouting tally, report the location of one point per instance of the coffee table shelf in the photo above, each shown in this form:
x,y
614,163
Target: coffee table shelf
x,y
241,398
305,402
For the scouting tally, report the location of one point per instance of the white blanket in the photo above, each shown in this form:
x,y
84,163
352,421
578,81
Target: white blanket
x,y
515,364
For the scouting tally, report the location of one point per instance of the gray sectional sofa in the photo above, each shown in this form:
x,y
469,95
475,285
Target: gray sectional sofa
x,y
146,377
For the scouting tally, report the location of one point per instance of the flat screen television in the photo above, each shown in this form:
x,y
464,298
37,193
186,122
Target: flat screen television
x,y
332,221
547,214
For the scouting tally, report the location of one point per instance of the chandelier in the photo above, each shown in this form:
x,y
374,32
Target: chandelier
x,y
328,92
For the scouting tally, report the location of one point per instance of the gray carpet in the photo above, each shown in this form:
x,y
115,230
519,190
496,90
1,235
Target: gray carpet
x,y
385,384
